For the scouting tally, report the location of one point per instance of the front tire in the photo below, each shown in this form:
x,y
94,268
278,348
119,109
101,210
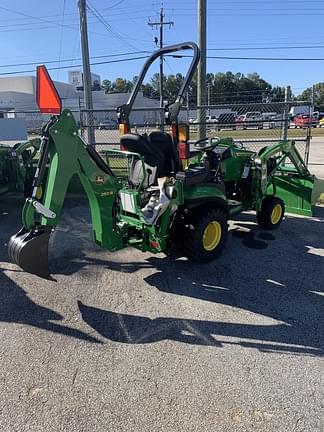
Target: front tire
x,y
271,214
205,235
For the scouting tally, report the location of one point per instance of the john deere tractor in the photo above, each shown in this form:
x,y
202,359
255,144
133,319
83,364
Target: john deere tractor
x,y
158,189
17,166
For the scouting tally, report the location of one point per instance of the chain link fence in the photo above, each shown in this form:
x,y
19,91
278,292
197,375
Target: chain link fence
x,y
253,125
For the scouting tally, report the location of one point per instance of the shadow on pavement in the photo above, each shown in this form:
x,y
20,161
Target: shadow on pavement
x,y
133,329
294,298
17,307
265,285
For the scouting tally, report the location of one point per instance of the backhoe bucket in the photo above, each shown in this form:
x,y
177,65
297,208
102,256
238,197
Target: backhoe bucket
x,y
29,249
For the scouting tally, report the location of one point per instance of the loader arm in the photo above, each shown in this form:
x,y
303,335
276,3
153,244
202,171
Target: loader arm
x,y
69,156
289,179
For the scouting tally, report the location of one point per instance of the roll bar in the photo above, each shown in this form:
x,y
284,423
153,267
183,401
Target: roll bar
x,y
172,110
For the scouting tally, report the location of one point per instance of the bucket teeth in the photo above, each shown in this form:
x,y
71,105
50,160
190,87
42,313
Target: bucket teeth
x,y
29,249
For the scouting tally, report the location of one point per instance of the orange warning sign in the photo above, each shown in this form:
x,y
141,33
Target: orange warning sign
x,y
47,97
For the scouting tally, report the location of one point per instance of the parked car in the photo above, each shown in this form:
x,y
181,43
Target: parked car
x,y
276,121
321,122
291,123
211,119
252,119
303,121
211,122
108,124
239,120
226,120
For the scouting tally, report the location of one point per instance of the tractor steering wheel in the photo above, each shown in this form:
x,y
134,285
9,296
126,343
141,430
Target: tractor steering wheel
x,y
206,143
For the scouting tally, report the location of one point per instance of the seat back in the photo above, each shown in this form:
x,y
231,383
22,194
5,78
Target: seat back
x,y
153,159
164,143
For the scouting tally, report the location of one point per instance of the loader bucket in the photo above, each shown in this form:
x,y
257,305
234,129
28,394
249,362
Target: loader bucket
x,y
318,191
29,249
299,194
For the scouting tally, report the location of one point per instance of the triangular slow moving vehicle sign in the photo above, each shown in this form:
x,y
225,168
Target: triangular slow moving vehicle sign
x,y
47,97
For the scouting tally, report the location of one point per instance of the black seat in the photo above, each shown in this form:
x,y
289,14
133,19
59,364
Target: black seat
x,y
164,143
153,158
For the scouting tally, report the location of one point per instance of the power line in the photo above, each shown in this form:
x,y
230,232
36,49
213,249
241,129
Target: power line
x,y
73,59
265,58
78,65
144,57
266,48
108,27
148,52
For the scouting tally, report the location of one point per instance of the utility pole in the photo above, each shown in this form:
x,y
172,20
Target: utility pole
x,y
86,71
161,24
201,84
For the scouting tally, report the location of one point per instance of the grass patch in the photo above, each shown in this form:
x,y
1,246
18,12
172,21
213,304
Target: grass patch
x,y
260,134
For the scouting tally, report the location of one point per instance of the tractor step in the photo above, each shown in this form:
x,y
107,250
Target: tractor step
x,y
29,249
235,207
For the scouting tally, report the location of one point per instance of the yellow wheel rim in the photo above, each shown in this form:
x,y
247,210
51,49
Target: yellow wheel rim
x,y
276,214
212,236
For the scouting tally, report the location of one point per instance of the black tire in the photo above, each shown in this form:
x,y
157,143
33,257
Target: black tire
x,y
271,216
195,232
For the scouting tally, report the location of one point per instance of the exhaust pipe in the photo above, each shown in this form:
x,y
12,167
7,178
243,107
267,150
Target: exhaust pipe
x,y
29,250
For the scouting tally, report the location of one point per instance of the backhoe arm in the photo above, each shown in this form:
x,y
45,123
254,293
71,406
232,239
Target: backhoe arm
x,y
68,156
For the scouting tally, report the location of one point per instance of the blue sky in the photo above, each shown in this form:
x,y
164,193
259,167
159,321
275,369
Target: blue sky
x,y
35,31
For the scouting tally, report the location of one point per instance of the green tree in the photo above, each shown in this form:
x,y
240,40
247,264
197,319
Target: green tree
x,y
172,86
121,85
318,96
106,86
225,87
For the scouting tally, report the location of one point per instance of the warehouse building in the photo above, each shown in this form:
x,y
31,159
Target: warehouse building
x,y
18,99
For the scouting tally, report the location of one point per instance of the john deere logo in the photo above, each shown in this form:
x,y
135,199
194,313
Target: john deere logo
x,y
99,180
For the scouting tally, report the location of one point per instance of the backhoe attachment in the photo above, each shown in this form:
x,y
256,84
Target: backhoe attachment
x,y
29,249
68,155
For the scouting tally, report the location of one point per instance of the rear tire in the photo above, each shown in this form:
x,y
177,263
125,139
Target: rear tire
x,y
271,214
204,235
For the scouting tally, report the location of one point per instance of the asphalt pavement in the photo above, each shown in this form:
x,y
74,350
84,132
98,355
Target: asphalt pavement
x,y
137,342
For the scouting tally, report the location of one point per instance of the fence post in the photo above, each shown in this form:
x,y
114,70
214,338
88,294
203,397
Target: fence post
x,y
309,128
284,133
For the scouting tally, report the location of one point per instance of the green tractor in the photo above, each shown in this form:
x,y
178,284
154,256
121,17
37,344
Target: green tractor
x,y
158,190
17,166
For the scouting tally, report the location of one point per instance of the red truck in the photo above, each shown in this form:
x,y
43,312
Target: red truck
x,y
303,121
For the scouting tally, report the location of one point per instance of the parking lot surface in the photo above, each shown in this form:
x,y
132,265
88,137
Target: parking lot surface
x,y
136,342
